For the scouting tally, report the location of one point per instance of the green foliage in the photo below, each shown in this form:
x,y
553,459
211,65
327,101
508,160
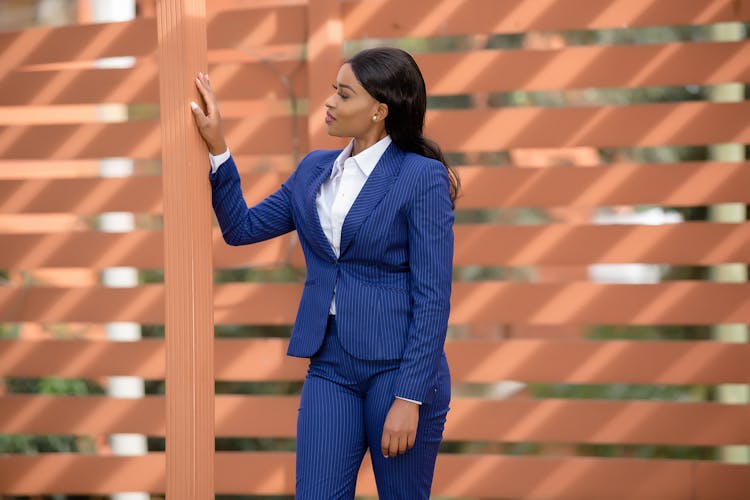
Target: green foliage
x,y
649,332
32,444
53,386
648,451
241,387
614,391
281,274
253,331
255,444
257,497
9,330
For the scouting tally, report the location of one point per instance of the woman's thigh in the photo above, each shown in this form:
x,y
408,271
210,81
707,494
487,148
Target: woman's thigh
x,y
407,476
330,440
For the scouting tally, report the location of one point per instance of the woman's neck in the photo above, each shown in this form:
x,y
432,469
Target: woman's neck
x,y
362,143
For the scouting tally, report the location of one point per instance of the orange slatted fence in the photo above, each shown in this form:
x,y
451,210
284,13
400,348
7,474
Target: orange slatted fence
x,y
566,385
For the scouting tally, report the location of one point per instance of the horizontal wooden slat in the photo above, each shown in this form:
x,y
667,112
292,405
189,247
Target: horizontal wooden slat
x,y
456,476
83,195
664,303
38,169
571,421
79,114
247,28
51,115
564,245
48,223
87,169
467,72
599,362
141,139
458,130
141,249
395,19
220,5
608,126
140,84
76,42
585,67
692,243
568,361
680,184
470,419
142,194
243,29
688,302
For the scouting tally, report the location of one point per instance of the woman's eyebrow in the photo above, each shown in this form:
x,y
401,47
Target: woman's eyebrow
x,y
346,87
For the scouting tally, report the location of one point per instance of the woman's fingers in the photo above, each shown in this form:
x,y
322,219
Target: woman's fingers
x,y
394,444
200,118
209,123
385,444
204,87
389,444
402,445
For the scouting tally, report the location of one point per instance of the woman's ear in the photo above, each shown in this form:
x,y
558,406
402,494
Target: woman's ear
x,y
382,111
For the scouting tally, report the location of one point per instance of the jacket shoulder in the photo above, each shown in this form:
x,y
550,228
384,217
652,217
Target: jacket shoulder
x,y
416,164
320,155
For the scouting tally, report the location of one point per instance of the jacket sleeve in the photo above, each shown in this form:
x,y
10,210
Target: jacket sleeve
x,y
430,220
241,225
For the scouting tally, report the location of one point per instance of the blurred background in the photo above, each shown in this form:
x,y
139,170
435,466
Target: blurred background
x,y
598,339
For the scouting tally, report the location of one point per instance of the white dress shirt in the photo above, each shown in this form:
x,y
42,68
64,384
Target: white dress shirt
x,y
338,193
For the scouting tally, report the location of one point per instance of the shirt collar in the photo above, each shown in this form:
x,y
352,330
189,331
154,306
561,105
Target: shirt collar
x,y
365,160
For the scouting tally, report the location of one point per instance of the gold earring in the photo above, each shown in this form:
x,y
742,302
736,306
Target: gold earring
x,y
374,118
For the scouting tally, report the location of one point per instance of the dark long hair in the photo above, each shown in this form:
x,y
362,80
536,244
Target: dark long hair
x,y
392,77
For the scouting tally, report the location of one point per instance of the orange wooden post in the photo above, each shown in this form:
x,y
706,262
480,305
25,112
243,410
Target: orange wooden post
x,y
324,60
187,250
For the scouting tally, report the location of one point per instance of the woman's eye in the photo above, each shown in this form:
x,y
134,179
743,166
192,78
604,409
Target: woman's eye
x,y
340,94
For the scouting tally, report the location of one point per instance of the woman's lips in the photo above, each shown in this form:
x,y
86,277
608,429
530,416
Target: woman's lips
x,y
329,117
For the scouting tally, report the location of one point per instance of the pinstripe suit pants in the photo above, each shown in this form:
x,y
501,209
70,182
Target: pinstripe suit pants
x,y
342,411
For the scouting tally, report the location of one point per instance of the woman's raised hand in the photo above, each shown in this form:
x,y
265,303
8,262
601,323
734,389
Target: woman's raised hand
x,y
209,124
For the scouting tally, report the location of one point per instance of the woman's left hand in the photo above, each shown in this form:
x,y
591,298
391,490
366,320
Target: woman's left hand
x,y
209,124
400,428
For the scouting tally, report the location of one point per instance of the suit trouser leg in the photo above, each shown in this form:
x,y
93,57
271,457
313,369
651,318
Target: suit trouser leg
x,y
407,476
342,411
330,440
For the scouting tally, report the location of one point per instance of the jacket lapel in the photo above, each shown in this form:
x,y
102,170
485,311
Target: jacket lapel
x,y
322,171
377,185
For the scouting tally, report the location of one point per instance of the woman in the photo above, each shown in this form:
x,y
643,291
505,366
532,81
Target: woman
x,y
375,222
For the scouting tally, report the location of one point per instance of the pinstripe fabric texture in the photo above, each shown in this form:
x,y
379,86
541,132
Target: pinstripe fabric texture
x,y
393,275
343,407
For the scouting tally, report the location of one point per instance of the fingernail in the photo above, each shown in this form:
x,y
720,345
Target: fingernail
x,y
193,105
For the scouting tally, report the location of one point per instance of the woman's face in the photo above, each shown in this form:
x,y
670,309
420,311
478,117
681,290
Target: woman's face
x,y
350,108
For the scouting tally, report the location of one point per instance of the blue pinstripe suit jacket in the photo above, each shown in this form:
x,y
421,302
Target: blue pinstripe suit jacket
x,y
393,275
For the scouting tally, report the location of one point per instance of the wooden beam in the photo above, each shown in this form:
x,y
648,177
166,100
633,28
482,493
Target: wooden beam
x,y
325,38
187,250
